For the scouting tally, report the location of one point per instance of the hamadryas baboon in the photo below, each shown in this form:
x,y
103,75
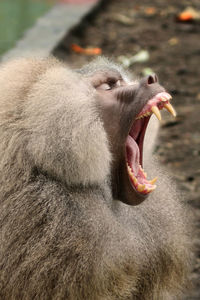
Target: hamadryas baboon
x,y
71,174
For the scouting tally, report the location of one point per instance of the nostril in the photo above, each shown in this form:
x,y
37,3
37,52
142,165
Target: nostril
x,y
152,79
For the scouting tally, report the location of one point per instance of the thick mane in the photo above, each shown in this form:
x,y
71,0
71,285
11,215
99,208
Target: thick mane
x,y
50,117
103,64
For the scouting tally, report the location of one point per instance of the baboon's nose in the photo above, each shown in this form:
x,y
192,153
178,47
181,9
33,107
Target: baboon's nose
x,y
152,79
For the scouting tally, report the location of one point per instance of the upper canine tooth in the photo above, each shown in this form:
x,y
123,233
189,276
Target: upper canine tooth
x,y
170,109
156,112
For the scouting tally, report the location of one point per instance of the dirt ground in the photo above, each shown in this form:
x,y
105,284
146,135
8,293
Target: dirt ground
x,y
127,27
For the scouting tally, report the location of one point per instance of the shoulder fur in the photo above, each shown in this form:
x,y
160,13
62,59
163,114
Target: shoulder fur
x,y
49,120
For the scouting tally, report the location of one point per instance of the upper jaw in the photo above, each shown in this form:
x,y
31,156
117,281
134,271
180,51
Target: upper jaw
x,y
155,104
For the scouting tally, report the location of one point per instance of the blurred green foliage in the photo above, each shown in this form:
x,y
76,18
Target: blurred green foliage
x,y
16,16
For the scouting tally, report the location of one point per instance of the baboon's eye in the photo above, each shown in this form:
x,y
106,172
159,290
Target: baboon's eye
x,y
105,86
110,84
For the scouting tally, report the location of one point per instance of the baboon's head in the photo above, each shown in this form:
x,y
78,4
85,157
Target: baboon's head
x,y
80,127
125,108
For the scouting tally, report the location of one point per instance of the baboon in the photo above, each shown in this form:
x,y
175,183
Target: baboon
x,y
78,217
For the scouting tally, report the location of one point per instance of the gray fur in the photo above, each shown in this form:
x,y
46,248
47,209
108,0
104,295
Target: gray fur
x,y
101,65
62,236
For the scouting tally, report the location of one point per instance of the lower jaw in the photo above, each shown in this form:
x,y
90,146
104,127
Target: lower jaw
x,y
140,183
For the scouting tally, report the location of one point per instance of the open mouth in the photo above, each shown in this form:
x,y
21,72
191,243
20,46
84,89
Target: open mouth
x,y
134,142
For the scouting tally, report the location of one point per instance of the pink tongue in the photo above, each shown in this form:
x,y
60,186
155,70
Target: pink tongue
x,y
136,128
133,154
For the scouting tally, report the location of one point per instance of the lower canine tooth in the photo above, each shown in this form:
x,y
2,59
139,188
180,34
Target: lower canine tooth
x,y
170,109
153,180
151,189
156,112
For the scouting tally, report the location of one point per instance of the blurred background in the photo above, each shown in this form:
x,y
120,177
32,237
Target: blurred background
x,y
18,15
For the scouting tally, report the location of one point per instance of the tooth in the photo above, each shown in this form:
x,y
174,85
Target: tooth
x,y
135,180
153,180
149,190
131,174
130,171
164,99
170,109
168,96
141,187
156,112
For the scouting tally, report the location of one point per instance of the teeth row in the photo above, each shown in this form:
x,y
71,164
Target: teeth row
x,y
132,176
148,113
141,187
145,175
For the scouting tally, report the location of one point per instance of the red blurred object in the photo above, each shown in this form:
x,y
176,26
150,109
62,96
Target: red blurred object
x,y
87,51
185,16
189,15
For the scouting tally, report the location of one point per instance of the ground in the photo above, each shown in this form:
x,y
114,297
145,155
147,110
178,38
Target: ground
x,y
127,27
